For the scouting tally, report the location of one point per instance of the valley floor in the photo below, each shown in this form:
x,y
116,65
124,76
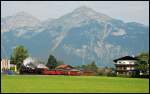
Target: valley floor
x,y
69,84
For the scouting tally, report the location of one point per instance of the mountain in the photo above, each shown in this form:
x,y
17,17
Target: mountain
x,y
21,19
79,37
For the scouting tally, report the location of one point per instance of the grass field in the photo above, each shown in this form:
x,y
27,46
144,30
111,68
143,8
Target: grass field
x,y
76,84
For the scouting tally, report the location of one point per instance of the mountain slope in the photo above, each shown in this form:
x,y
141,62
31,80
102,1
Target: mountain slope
x,y
80,37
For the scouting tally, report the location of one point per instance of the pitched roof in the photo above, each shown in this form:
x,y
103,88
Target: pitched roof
x,y
74,70
63,66
125,58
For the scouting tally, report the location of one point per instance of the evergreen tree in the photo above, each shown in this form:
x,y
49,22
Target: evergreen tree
x,y
52,62
93,66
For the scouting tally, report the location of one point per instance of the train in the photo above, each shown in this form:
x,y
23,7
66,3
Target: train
x,y
45,71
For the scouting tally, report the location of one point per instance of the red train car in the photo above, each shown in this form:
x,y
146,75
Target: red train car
x,y
63,70
53,72
74,72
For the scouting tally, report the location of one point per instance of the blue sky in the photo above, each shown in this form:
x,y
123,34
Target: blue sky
x,y
127,11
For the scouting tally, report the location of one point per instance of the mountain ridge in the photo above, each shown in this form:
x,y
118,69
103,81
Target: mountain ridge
x,y
78,39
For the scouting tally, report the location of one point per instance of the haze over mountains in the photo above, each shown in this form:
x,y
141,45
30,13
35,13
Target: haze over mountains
x,y
79,37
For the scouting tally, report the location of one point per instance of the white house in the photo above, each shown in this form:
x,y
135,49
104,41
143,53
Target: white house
x,y
125,65
5,65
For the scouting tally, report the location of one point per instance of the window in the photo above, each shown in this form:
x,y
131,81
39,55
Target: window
x,y
119,62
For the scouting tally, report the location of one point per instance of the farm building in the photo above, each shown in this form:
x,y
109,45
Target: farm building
x,y
125,65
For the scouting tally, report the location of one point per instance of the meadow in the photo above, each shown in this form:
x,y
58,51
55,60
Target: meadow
x,y
72,84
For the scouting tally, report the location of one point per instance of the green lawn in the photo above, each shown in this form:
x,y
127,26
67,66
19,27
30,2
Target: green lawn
x,y
76,84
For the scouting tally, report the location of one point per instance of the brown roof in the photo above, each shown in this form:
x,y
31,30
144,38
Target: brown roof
x,y
64,66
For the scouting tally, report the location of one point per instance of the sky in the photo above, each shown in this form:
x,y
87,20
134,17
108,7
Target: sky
x,y
128,11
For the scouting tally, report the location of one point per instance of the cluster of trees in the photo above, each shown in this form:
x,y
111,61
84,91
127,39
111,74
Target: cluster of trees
x,y
106,71
142,64
89,67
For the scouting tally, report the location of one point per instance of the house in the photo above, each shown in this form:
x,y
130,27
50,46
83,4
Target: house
x,y
5,66
125,65
64,66
68,70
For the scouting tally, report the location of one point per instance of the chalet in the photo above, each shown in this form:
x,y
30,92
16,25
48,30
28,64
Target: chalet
x,y
125,65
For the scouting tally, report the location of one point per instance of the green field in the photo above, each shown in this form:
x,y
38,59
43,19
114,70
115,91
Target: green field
x,y
75,84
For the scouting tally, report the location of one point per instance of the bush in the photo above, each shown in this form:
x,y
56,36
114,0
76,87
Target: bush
x,y
135,74
122,75
144,76
100,74
112,74
12,68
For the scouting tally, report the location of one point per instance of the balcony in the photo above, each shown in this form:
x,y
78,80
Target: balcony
x,y
126,65
125,69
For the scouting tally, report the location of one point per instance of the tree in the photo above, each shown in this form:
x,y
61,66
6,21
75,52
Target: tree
x,y
52,62
142,64
90,67
143,56
19,54
94,66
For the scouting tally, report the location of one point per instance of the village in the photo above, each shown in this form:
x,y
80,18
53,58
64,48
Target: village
x,y
75,47
126,66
